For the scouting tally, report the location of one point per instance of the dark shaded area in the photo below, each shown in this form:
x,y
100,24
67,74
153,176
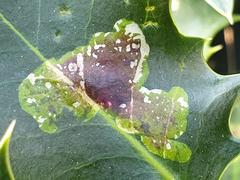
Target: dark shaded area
x,y
227,60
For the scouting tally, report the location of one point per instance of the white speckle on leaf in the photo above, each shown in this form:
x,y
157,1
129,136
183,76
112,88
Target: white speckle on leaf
x,y
80,64
72,67
118,41
123,106
32,78
146,100
48,85
133,63
31,100
182,102
135,46
76,104
120,49
168,146
128,48
97,46
41,119
94,55
181,132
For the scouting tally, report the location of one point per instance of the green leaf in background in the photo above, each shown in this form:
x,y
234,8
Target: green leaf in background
x,y
38,30
234,119
198,18
232,171
224,7
5,166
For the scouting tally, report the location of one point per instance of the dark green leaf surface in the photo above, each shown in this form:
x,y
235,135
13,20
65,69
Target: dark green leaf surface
x,y
95,150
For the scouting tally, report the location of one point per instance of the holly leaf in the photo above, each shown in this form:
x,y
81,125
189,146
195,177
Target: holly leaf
x,y
107,74
199,18
99,148
224,7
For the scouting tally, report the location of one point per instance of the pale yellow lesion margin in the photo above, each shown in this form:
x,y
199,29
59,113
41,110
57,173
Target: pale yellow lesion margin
x,y
143,152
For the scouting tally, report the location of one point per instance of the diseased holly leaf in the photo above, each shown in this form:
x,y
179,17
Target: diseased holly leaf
x,y
5,166
94,149
109,72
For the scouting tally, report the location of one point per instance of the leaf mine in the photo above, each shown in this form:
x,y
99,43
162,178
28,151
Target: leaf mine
x,y
108,75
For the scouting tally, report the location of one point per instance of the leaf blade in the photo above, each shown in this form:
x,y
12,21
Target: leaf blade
x,y
184,11
223,7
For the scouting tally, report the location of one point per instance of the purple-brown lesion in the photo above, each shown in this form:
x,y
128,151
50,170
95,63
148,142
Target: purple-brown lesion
x,y
109,77
108,72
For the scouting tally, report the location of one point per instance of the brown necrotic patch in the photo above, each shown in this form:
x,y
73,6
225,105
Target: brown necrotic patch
x,y
109,72
106,71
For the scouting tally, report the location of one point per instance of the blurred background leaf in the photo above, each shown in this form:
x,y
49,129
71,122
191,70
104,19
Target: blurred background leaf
x,y
224,7
5,166
200,19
